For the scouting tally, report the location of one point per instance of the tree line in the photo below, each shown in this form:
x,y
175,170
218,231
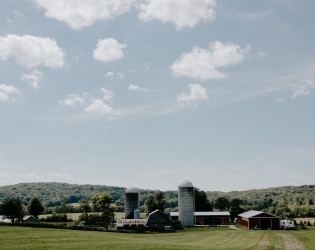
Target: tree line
x,y
287,201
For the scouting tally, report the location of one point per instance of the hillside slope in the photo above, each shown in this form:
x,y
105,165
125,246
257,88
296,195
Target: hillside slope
x,y
53,193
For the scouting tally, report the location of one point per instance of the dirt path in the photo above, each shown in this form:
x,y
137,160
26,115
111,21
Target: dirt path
x,y
290,242
234,227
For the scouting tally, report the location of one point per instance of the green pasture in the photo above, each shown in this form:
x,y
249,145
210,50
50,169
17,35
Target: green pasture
x,y
75,216
193,238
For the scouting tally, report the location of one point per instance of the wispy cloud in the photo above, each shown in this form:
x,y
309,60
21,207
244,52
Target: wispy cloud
x,y
137,88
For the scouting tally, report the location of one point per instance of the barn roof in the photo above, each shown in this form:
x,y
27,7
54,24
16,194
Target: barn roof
x,y
158,218
205,213
253,213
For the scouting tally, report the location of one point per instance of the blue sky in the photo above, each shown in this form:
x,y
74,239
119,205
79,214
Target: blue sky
x,y
148,93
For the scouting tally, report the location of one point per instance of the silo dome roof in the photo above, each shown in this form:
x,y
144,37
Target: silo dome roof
x,y
132,190
186,183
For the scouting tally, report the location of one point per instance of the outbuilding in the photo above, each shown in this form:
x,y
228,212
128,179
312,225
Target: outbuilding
x,y
207,218
259,220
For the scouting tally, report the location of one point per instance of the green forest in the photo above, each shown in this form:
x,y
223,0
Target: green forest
x,y
287,201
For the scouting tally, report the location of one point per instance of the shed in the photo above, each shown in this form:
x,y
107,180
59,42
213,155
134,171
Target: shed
x,y
259,220
158,219
207,218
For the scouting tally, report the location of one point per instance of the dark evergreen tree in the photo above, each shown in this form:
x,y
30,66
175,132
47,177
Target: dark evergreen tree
x,y
201,201
156,201
235,208
221,203
13,210
35,207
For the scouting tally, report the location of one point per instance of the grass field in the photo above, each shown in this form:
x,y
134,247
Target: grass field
x,y
311,220
75,216
194,238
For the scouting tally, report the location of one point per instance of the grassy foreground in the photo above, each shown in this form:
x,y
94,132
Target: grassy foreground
x,y
196,238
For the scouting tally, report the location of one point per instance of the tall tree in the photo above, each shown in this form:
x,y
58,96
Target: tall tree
x,y
102,203
156,201
85,208
13,210
160,200
35,207
221,203
235,208
201,201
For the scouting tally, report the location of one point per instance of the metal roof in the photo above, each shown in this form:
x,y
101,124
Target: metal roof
x,y
132,190
186,183
212,213
205,213
253,213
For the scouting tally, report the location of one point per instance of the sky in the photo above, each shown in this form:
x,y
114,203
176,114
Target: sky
x,y
148,93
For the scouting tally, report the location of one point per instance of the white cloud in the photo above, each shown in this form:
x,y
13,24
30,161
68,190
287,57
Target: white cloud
x,y
31,51
33,78
132,87
93,104
6,92
203,64
107,94
108,49
99,106
261,54
73,99
197,93
184,13
112,75
302,88
82,13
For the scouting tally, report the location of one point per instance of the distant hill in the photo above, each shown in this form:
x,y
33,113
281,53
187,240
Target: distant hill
x,y
53,193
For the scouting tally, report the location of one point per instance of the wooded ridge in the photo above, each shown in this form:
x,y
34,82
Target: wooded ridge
x,y
53,193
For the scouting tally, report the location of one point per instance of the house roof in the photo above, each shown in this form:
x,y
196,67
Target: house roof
x,y
253,213
226,213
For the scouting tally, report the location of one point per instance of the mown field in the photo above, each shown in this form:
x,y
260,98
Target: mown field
x,y
195,238
311,220
75,216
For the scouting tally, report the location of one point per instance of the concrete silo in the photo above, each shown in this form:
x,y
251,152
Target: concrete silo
x,y
186,203
132,201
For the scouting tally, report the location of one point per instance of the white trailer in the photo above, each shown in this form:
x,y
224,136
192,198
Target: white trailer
x,y
287,224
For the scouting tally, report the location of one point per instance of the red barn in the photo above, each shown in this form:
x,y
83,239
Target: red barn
x,y
259,220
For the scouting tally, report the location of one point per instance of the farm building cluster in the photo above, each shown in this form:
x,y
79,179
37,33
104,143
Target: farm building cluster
x,y
186,214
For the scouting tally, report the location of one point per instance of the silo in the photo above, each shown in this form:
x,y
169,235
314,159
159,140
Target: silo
x,y
186,203
136,214
132,201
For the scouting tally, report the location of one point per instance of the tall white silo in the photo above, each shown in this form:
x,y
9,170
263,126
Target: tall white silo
x,y
186,203
132,201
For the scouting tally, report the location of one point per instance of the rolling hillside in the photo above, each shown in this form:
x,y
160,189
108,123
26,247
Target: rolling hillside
x,y
53,193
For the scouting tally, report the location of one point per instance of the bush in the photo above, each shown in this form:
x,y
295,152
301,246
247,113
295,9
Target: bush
x,y
57,218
